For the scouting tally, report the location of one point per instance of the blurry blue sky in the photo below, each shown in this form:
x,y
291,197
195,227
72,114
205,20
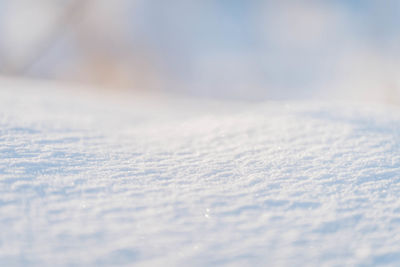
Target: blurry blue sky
x,y
221,48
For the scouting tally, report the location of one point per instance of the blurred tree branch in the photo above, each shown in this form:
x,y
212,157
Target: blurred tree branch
x,y
72,14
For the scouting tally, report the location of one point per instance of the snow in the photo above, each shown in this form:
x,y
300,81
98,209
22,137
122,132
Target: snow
x,y
163,181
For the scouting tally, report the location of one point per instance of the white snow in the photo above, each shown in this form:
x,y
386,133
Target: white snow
x,y
169,181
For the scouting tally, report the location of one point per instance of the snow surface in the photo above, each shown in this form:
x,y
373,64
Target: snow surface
x,y
168,181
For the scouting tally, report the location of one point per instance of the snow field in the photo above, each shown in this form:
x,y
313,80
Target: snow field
x,y
170,181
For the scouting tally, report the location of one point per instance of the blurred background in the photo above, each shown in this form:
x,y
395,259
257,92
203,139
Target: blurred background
x,y
232,49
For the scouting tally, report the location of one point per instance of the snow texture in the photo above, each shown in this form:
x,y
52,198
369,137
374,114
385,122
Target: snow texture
x,y
175,182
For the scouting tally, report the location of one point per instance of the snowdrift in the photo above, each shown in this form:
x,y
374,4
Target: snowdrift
x,y
170,181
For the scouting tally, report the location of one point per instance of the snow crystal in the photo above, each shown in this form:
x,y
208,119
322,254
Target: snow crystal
x,y
88,181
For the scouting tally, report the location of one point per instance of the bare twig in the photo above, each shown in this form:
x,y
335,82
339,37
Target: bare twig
x,y
71,15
